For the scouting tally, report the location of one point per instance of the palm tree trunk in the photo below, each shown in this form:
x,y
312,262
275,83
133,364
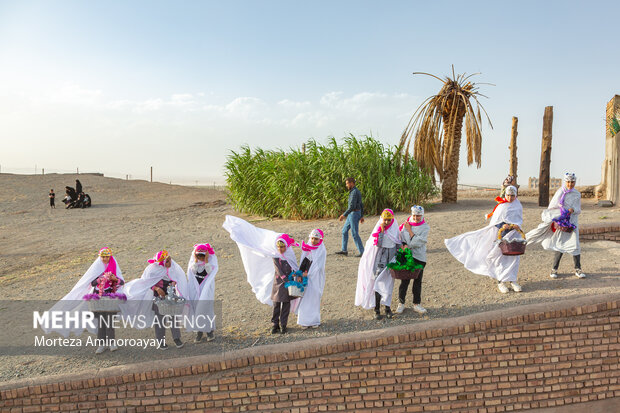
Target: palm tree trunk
x,y
452,134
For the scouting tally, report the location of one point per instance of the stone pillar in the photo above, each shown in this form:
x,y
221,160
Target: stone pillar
x,y
609,189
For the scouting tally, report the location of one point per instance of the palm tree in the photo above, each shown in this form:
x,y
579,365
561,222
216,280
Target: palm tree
x,y
437,126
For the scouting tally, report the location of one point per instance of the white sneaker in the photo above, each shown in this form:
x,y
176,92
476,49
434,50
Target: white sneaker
x,y
400,308
419,309
554,274
100,350
516,287
502,288
579,273
113,347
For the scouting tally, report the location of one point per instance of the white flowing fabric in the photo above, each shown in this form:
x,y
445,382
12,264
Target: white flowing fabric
x,y
73,302
203,294
384,284
309,311
565,242
257,247
140,296
478,250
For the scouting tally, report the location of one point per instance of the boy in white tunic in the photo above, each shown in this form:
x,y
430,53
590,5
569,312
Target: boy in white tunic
x,y
414,233
478,250
563,211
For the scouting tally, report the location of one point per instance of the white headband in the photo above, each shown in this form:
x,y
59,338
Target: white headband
x,y
570,177
511,190
417,210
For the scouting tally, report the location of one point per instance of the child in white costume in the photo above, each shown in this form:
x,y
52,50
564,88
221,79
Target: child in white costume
x,y
161,272
261,250
565,203
73,302
313,257
201,270
478,250
374,281
414,233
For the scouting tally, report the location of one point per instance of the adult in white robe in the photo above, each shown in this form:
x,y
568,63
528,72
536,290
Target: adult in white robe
x,y
568,200
309,310
201,281
478,250
374,280
74,303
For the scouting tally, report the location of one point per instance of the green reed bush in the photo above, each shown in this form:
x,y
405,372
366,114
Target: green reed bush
x,y
310,184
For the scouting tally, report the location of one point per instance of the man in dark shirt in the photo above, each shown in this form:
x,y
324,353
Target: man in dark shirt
x,y
354,215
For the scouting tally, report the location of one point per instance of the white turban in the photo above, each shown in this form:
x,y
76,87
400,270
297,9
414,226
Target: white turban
x,y
417,210
511,190
316,234
570,177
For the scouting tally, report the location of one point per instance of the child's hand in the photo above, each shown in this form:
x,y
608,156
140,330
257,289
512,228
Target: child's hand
x,y
299,279
305,273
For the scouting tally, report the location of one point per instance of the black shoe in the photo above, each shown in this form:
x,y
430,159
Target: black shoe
x,y
389,314
210,336
178,343
275,330
342,253
378,316
164,347
284,330
198,337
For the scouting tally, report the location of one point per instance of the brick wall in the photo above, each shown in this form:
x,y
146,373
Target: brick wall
x,y
609,231
536,356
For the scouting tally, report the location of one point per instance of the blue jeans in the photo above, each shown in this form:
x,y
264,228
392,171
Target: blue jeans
x,y
352,223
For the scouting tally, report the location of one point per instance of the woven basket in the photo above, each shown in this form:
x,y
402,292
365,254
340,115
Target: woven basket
x,y
405,275
561,228
104,305
513,247
295,292
170,307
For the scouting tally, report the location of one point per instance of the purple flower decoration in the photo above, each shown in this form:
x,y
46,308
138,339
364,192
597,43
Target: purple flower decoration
x,y
564,219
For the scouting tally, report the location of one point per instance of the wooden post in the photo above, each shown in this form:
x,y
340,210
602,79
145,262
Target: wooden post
x,y
545,158
513,150
78,170
151,174
126,177
42,171
303,148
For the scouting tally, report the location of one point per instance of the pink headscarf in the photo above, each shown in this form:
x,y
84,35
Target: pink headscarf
x,y
288,240
411,222
204,248
160,257
310,247
375,235
111,267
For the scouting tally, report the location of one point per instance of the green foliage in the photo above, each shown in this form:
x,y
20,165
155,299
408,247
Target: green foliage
x,y
297,185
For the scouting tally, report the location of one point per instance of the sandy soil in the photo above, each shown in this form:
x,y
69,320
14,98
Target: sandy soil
x,y
43,253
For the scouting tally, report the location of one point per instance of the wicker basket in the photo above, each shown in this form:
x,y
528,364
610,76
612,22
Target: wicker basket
x,y
561,228
513,247
295,292
104,305
170,307
405,275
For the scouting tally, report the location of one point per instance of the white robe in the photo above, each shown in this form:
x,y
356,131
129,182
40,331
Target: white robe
x,y
309,311
384,284
565,242
73,301
257,247
478,250
140,295
203,294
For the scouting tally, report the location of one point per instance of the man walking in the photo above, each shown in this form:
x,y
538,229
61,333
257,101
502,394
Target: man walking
x,y
354,215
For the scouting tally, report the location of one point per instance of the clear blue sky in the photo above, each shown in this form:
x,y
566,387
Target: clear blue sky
x,y
118,86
